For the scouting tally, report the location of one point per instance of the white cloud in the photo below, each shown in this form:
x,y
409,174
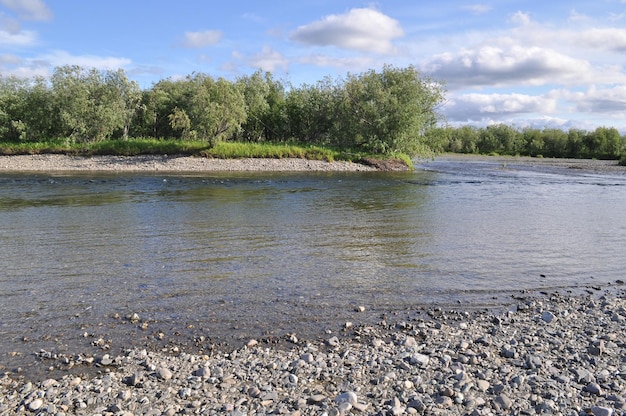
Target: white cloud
x,y
495,66
22,38
197,40
467,107
612,39
268,60
10,59
610,100
29,9
60,58
365,30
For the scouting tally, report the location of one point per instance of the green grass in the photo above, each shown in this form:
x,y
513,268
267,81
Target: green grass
x,y
33,148
230,150
145,146
223,150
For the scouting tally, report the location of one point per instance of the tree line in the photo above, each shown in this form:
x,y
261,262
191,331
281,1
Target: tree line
x,y
376,111
380,112
601,143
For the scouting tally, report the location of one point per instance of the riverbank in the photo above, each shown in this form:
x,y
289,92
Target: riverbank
x,y
552,353
591,165
167,163
190,164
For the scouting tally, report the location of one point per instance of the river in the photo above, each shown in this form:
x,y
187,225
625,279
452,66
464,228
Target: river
x,y
233,256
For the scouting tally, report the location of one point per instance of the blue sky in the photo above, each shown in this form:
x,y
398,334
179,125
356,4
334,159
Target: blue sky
x,y
526,63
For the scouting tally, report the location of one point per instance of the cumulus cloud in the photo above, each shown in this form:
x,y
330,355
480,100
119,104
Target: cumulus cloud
x,y
60,58
364,30
600,100
269,60
612,39
22,38
496,66
28,9
198,40
496,106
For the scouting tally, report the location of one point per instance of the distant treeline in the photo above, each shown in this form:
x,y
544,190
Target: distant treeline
x,y
602,143
380,112
376,111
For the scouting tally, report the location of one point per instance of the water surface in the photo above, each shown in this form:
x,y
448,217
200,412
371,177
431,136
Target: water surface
x,y
248,255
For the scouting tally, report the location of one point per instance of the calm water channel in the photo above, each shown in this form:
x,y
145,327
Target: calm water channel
x,y
237,256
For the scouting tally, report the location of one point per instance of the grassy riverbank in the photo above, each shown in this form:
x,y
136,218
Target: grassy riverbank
x,y
222,150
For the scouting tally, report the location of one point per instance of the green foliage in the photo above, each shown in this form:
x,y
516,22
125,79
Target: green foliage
x,y
390,111
92,105
383,113
602,143
376,112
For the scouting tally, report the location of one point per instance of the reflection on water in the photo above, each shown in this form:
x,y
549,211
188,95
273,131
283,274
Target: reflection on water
x,y
272,252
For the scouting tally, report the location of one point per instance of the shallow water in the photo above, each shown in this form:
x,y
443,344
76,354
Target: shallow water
x,y
247,255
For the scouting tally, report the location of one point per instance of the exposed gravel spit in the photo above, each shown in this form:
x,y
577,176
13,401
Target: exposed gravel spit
x,y
552,354
167,163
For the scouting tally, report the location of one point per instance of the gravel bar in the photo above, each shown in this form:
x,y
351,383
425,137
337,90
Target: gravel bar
x,y
549,354
166,163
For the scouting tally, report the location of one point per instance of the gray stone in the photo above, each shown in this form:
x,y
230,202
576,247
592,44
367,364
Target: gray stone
x,y
317,398
347,397
203,372
164,374
503,402
594,388
307,358
333,342
420,359
35,405
507,351
483,385
548,317
601,411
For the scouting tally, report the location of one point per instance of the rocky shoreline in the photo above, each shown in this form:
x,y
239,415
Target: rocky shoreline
x,y
167,163
550,354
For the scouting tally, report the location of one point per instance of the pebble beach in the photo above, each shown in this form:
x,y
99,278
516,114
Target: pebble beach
x,y
555,352
550,354
166,163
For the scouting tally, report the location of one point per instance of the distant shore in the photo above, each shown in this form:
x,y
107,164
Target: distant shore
x,y
580,164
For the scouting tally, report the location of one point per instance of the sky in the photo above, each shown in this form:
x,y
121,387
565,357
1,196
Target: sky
x,y
541,64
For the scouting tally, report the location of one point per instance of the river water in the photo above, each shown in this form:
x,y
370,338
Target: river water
x,y
232,256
